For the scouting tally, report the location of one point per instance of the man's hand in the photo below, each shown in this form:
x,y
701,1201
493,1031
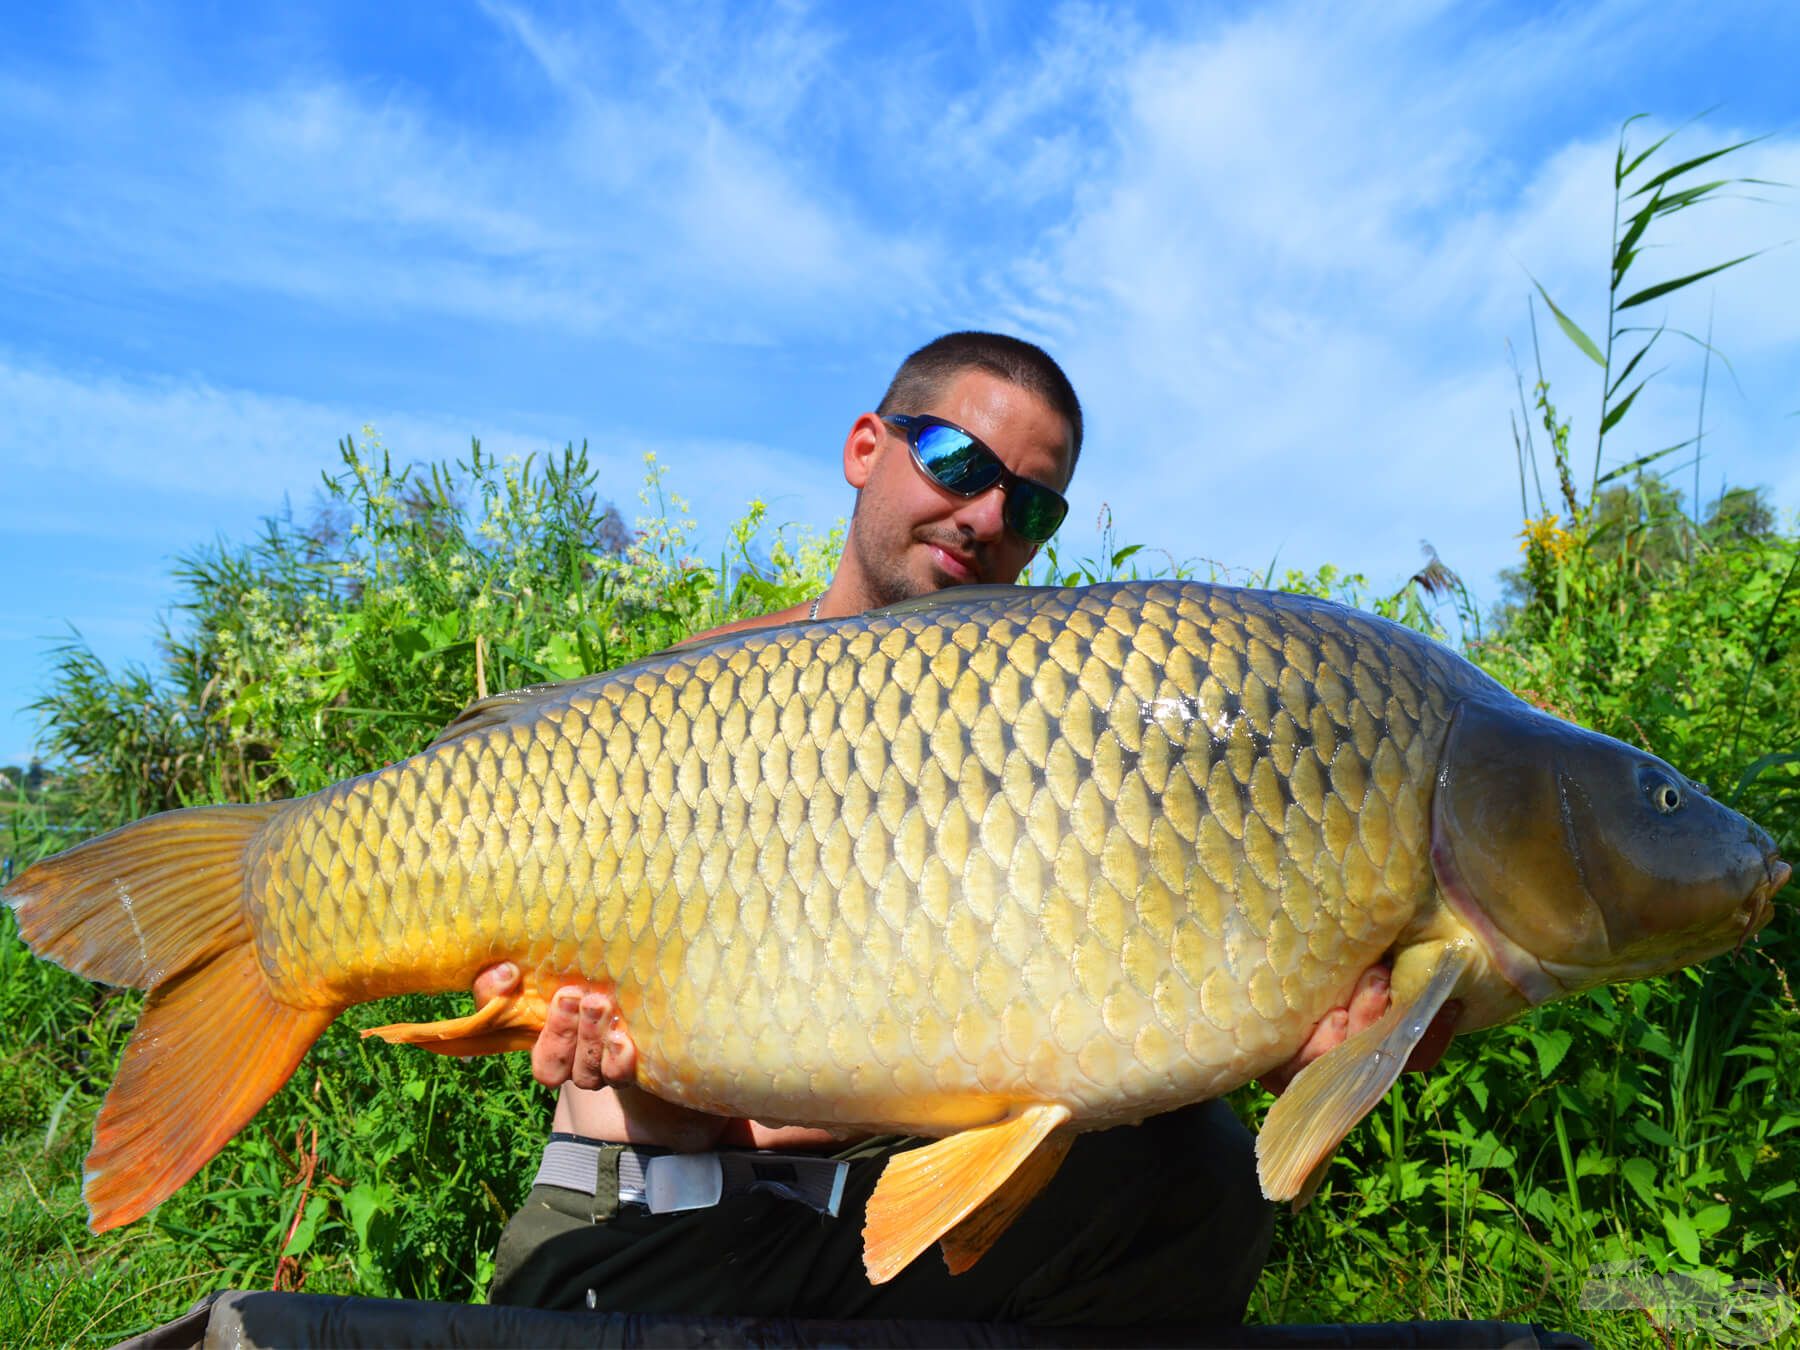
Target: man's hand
x,y
1368,1001
583,1041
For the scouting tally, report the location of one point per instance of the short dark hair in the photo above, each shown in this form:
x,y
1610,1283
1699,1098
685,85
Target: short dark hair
x,y
923,376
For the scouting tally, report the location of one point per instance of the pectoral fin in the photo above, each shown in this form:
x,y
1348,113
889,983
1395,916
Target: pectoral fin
x,y
935,1192
1329,1096
508,1022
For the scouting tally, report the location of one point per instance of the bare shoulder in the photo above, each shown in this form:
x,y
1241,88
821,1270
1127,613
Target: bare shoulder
x,y
792,614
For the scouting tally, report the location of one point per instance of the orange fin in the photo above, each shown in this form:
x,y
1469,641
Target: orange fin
x,y
211,1047
141,903
925,1193
507,1022
160,904
1329,1096
969,1241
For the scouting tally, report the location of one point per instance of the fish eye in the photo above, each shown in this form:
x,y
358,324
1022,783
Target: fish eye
x,y
1664,795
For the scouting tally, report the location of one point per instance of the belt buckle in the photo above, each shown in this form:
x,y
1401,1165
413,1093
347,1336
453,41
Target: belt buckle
x,y
674,1182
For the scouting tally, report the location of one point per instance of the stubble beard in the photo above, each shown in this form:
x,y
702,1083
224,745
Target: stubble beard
x,y
887,582
883,563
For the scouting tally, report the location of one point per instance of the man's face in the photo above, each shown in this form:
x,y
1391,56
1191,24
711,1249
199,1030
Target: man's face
x,y
910,536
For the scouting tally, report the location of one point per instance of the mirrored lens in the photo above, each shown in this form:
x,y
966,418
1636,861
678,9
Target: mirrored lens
x,y
956,460
1033,511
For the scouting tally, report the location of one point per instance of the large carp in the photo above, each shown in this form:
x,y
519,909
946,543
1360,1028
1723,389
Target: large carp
x,y
999,866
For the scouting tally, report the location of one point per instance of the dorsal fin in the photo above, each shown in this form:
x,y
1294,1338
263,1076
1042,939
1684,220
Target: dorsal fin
x,y
499,709
953,597
515,703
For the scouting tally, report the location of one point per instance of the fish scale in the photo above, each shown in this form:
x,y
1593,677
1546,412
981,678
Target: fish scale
x,y
864,872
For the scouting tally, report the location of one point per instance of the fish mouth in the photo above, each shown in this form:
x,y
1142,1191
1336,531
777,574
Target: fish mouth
x,y
1760,907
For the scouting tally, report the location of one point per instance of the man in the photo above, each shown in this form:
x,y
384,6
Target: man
x,y
1159,1223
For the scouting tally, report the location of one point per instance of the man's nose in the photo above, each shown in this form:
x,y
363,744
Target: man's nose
x,y
984,515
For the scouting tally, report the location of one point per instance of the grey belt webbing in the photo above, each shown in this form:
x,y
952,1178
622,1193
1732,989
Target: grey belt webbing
x,y
665,1183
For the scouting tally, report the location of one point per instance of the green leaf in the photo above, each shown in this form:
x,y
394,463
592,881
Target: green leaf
x,y
1631,365
1712,1219
1551,1046
1682,1237
1487,1151
1570,328
1667,174
1478,1089
1665,287
1620,174
1618,410
1641,460
1680,201
1627,247
308,1227
1593,1163
362,1203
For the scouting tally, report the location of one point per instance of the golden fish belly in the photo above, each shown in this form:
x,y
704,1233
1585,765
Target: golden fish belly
x,y
1117,848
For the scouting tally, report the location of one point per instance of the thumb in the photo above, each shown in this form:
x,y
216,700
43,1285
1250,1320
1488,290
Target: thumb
x,y
495,981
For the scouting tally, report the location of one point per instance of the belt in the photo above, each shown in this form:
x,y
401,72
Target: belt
x,y
665,1182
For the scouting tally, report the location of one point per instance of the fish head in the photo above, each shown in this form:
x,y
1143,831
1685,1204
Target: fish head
x,y
1578,860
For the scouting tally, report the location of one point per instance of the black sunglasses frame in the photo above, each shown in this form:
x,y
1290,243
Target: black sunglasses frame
x,y
915,425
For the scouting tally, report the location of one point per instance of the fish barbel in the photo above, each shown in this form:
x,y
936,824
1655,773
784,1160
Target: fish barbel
x,y
997,866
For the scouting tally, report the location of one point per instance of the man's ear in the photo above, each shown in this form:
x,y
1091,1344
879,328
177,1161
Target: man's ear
x,y
862,447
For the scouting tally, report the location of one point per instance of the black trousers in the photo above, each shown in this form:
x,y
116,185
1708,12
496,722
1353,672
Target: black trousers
x,y
1159,1223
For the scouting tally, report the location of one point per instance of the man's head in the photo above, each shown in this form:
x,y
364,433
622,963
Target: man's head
x,y
909,536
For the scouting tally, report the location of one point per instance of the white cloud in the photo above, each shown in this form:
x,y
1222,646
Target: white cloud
x,y
225,451
659,191
1285,289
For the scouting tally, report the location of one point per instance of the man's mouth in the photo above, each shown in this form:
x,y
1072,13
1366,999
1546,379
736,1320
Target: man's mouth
x,y
959,567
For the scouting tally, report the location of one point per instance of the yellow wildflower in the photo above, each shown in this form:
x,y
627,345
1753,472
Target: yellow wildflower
x,y
1546,535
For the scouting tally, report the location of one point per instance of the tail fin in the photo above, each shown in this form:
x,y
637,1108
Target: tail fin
x,y
143,902
159,905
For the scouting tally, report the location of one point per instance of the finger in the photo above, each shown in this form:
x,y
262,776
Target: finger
x,y
1331,1032
553,1054
590,1049
620,1062
1370,998
1327,1036
1436,1039
495,981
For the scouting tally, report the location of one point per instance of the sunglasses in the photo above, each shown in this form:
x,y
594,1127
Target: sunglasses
x,y
958,462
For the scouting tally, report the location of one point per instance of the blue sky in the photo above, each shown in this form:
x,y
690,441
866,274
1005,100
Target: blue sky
x,y
1279,247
